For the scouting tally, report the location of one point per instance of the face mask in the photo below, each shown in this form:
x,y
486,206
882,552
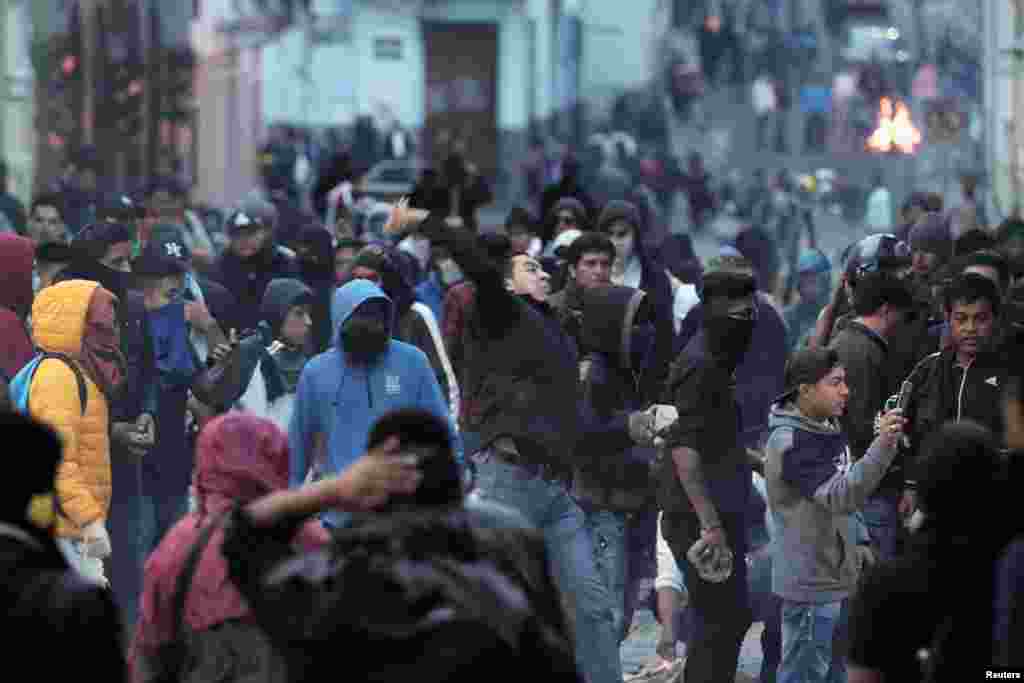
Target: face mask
x,y
641,347
449,272
729,337
623,247
175,360
364,339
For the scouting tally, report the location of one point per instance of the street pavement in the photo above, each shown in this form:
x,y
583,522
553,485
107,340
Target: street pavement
x,y
638,653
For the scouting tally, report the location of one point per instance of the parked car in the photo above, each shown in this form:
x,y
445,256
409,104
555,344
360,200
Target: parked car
x,y
390,180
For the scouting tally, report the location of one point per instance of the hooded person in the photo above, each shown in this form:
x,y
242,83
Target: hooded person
x,y
634,267
77,318
42,599
315,251
240,458
366,373
253,258
612,483
568,213
814,284
568,187
97,254
414,322
273,358
16,258
705,478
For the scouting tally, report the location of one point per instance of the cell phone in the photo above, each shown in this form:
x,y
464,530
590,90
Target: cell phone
x,y
905,389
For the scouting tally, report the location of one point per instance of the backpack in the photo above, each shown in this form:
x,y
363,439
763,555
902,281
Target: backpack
x,y
21,383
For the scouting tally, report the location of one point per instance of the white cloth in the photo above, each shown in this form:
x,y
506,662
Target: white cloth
x,y
762,97
255,401
435,333
669,575
684,298
629,276
91,568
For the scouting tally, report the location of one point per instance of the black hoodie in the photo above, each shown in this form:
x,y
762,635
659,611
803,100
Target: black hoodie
x,y
613,472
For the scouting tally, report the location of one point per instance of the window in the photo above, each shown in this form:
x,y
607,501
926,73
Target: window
x,y
387,48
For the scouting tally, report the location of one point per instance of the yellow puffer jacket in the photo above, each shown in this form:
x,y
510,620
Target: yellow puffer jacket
x,y
83,477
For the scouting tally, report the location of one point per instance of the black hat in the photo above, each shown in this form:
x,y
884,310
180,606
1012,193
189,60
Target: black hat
x,y
155,262
727,282
806,366
167,239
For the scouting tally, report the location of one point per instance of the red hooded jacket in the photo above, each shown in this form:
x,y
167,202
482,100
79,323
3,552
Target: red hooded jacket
x,y
17,255
239,458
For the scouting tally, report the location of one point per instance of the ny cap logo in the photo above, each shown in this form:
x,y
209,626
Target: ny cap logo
x,y
994,381
173,249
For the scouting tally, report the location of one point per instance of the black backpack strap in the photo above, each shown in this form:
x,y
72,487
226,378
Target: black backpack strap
x,y
83,393
173,653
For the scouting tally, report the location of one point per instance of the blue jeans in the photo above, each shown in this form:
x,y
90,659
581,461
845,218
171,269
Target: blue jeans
x,y
881,516
162,506
608,535
125,527
549,506
767,608
807,634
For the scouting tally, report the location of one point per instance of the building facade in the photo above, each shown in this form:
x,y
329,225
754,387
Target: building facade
x,y
17,97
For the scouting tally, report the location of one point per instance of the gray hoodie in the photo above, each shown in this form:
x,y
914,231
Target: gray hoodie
x,y
813,490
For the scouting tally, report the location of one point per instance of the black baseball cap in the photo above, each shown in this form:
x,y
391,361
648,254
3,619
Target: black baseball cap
x,y
155,262
806,366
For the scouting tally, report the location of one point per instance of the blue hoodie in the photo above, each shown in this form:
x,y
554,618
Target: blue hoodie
x,y
343,402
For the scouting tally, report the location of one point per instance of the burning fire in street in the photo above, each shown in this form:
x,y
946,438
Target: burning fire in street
x,y
895,131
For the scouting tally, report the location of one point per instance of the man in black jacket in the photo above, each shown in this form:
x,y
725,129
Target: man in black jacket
x,y
530,422
253,258
880,308
705,478
965,382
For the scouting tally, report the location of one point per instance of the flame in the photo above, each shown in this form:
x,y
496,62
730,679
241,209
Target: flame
x,y
896,130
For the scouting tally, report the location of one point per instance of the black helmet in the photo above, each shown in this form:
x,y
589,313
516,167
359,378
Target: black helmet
x,y
875,252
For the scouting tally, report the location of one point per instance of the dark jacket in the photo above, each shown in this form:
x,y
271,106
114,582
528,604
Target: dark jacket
x,y
524,375
248,279
220,302
395,588
44,601
703,391
944,392
655,282
761,373
613,473
863,354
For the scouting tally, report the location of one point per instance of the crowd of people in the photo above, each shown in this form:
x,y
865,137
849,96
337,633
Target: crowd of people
x,y
435,451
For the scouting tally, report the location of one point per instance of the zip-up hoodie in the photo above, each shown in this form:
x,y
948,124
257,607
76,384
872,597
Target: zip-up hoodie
x,y
342,402
812,492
